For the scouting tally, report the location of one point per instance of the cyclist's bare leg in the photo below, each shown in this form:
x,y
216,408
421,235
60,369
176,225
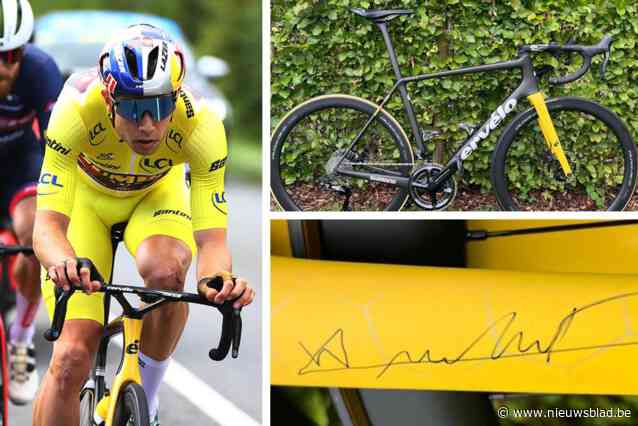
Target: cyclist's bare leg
x,y
27,268
163,262
73,354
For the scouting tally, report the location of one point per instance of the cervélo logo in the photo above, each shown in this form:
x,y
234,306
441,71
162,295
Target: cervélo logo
x,y
57,147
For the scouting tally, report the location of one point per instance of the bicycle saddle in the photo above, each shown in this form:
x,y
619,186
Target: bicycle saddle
x,y
381,15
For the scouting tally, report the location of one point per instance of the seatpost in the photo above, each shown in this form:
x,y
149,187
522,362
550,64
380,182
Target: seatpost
x,y
383,27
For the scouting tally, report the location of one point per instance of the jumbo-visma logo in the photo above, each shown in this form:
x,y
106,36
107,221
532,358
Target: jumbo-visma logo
x,y
219,202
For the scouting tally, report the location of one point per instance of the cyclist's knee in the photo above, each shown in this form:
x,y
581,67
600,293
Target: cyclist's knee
x,y
70,366
170,273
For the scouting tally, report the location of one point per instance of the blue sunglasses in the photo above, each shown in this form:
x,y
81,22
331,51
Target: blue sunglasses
x,y
159,107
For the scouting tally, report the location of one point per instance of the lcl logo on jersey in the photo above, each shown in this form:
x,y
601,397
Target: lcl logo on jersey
x,y
174,138
219,202
151,166
94,132
50,179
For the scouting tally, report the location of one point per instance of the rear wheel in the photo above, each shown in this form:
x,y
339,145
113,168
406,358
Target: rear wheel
x,y
599,150
131,408
311,156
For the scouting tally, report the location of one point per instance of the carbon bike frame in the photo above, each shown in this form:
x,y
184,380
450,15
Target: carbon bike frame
x,y
528,86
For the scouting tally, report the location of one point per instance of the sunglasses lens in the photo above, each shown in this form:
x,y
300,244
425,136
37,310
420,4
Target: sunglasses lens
x,y
159,107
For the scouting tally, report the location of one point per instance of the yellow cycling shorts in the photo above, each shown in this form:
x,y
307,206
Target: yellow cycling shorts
x,y
164,210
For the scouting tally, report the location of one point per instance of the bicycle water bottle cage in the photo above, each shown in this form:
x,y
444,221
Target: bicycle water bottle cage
x,y
381,15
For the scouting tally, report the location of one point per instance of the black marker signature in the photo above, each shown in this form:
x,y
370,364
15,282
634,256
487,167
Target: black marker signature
x,y
506,346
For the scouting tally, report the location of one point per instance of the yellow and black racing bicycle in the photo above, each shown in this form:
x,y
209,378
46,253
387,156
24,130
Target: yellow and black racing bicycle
x,y
340,152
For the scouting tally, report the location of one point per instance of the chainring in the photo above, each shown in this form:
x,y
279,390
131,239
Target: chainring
x,y
435,200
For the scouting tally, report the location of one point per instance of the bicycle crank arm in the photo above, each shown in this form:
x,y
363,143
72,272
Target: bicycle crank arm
x,y
400,181
549,132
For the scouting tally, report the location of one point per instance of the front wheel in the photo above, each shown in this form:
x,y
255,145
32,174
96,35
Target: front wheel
x,y
313,159
131,408
598,147
87,407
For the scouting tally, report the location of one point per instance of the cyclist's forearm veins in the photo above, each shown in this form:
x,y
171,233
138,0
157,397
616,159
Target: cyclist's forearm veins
x,y
213,253
49,238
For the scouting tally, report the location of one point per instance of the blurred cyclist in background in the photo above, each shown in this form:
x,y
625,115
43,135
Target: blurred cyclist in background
x,y
30,83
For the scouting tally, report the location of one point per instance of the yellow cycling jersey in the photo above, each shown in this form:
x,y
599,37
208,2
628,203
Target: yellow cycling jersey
x,y
82,144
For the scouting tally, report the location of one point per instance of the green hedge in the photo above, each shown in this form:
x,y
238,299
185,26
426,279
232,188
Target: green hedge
x,y
320,47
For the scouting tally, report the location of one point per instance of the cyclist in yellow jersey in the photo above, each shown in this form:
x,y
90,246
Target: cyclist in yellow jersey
x,y
117,142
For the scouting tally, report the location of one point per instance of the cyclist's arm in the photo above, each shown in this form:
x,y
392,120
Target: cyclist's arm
x,y
213,253
56,190
49,240
206,154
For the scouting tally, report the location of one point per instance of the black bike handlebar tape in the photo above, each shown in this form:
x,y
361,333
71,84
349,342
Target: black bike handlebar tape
x,y
59,314
219,353
237,332
575,76
587,52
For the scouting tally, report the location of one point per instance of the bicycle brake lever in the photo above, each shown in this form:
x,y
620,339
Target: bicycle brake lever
x,y
231,326
59,314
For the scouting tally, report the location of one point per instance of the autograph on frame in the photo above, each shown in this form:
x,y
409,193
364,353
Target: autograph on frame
x,y
508,344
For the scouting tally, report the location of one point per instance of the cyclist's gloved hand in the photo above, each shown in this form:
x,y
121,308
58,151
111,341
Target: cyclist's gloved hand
x,y
233,288
75,272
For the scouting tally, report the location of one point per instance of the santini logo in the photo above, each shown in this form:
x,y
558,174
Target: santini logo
x,y
168,211
498,116
57,147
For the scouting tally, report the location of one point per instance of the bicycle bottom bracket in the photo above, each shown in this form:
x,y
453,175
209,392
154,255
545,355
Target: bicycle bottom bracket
x,y
423,197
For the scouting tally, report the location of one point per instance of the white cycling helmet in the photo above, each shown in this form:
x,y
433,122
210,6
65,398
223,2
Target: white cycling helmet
x,y
18,24
142,60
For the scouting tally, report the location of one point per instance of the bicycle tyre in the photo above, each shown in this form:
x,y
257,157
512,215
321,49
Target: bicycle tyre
x,y
87,407
131,404
621,151
4,373
347,106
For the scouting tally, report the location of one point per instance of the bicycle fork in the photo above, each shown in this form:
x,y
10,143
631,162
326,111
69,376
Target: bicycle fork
x,y
549,132
129,370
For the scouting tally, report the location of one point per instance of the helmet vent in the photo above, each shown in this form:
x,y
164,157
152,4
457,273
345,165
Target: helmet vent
x,y
19,21
152,62
131,61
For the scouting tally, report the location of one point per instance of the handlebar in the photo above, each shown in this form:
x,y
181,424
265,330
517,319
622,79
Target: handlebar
x,y
587,52
11,250
231,322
